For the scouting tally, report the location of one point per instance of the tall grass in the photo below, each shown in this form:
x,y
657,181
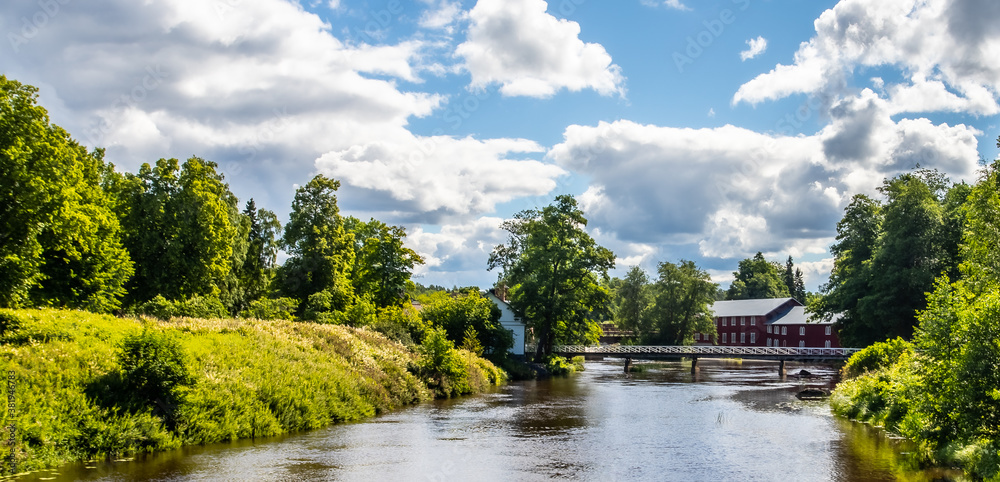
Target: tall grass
x,y
245,378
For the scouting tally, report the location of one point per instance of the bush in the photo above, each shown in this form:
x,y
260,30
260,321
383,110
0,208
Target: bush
x,y
159,308
876,357
271,309
194,307
153,365
450,372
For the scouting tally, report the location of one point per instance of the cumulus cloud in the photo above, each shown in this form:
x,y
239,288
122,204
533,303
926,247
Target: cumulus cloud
x,y
432,177
946,51
255,87
757,46
516,44
456,255
733,192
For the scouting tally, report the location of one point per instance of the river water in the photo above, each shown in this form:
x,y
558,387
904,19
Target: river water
x,y
730,421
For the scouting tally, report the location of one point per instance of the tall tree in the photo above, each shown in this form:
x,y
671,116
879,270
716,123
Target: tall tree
x,y
383,265
321,249
794,281
59,238
182,228
633,298
552,266
682,295
908,255
851,276
258,266
757,278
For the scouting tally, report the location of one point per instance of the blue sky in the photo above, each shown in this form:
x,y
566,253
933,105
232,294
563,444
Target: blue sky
x,y
702,130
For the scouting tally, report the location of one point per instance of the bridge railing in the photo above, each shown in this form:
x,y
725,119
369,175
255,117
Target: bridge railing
x,y
736,351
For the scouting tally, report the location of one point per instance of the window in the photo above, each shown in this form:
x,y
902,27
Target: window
x,y
769,328
828,343
743,321
743,337
753,321
723,321
724,338
802,331
753,337
829,330
784,330
802,343
768,342
697,337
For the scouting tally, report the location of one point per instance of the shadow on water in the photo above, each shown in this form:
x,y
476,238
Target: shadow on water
x,y
730,420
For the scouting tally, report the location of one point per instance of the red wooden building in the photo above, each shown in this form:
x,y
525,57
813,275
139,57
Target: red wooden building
x,y
767,322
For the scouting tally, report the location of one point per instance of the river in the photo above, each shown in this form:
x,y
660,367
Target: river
x,y
730,421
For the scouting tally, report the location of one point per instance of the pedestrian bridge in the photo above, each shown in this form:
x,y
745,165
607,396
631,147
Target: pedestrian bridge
x,y
694,352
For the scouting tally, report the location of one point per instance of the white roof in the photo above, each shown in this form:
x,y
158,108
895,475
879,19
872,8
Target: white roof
x,y
758,307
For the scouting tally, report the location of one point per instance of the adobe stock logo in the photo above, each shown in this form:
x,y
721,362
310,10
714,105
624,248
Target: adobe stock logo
x,y
714,29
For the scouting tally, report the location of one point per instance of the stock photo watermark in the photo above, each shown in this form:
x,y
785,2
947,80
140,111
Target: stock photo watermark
x,y
714,28
31,27
153,78
11,414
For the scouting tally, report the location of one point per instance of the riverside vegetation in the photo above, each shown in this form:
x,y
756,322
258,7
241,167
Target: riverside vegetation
x,y
96,386
942,389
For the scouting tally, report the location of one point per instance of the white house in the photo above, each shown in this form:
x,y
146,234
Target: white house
x,y
509,321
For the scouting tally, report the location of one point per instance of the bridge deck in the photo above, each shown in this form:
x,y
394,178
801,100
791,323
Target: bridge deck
x,y
708,351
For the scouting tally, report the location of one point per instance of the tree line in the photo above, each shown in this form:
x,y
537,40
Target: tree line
x,y
173,240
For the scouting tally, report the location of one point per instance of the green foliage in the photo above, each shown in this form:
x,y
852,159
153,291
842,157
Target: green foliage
x,y
383,265
321,250
182,227
945,391
633,298
470,341
153,365
560,367
877,356
458,313
271,309
450,372
553,267
60,241
194,307
401,323
95,381
888,254
681,298
757,278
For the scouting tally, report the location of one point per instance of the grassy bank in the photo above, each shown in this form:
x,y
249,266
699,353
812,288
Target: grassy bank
x,y
92,386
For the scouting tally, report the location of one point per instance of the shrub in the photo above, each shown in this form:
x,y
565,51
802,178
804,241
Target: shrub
x,y
271,309
877,356
159,308
201,307
152,365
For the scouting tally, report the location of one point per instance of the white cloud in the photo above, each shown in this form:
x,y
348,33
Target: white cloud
x,y
711,112
732,192
757,46
675,4
516,44
945,49
441,16
441,175
457,254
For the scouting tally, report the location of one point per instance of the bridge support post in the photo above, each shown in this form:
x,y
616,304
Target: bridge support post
x,y
628,363
694,364
781,368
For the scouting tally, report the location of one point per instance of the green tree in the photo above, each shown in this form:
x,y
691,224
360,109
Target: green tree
x,y
382,265
633,299
182,228
466,309
908,255
757,278
682,294
60,240
794,281
254,274
552,266
321,250
850,278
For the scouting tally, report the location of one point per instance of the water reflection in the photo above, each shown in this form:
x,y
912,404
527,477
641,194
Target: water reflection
x,y
728,421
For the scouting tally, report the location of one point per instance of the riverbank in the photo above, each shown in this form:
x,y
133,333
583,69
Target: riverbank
x,y
88,386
